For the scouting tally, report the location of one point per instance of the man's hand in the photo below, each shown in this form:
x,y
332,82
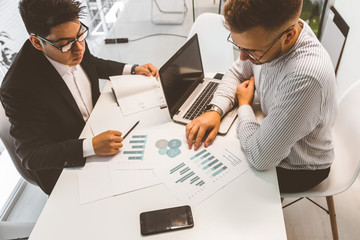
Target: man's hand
x,y
208,122
107,143
245,92
147,70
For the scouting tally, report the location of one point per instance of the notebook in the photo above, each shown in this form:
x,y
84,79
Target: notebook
x,y
186,91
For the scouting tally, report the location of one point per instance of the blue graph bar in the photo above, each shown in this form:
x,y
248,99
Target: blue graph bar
x,y
137,141
219,171
177,168
207,160
185,177
238,160
139,136
138,146
135,158
218,165
210,164
184,170
205,155
230,160
198,154
133,152
194,179
200,183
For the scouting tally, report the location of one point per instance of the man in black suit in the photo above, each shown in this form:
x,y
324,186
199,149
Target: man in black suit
x,y
51,88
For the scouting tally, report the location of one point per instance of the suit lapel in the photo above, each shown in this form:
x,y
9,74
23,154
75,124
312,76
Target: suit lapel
x,y
91,73
53,77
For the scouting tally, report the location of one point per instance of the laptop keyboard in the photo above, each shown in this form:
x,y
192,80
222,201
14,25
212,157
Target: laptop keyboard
x,y
198,107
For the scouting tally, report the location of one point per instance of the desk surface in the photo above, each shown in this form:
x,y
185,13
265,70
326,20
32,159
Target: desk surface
x,y
247,208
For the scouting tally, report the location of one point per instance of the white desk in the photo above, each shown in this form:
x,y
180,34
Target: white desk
x,y
247,208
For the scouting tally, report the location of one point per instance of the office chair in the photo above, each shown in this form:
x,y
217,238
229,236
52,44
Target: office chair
x,y
163,12
334,36
15,230
212,36
8,141
345,169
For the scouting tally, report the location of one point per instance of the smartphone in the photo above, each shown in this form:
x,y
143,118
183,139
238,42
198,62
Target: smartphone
x,y
164,220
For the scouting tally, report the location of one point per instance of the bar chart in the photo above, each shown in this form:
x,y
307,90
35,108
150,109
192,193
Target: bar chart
x,y
196,175
136,147
133,154
186,175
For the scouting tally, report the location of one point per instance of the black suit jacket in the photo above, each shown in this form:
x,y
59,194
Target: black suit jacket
x,y
45,119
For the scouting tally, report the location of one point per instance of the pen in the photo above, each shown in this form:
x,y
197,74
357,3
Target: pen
x,y
131,129
113,91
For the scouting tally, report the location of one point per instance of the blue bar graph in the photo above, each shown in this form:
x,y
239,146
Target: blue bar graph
x,y
198,154
200,183
185,177
184,170
139,136
219,171
210,164
207,160
137,146
137,141
133,152
194,179
183,174
177,168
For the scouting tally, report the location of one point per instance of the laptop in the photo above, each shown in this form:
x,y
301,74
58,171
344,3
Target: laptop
x,y
186,91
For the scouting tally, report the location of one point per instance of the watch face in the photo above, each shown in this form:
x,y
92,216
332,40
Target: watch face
x,y
208,107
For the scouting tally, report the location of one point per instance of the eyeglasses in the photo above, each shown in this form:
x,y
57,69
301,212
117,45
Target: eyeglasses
x,y
248,51
65,48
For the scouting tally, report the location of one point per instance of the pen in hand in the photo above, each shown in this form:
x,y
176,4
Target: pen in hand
x,y
131,129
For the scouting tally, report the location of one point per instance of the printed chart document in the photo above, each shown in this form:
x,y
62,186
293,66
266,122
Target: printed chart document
x,y
136,93
192,175
132,153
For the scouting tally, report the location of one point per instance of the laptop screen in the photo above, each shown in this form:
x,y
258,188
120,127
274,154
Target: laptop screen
x,y
181,74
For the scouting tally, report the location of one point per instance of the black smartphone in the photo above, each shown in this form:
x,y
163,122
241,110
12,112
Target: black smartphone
x,y
164,220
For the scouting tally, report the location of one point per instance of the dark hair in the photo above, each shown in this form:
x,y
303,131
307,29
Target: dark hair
x,y
39,16
243,15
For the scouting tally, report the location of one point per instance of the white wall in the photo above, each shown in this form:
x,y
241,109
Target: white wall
x,y
349,68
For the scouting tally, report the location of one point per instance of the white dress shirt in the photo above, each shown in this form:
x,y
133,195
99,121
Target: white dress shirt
x,y
79,85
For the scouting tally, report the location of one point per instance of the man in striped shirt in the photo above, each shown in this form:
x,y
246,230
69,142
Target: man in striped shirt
x,y
283,64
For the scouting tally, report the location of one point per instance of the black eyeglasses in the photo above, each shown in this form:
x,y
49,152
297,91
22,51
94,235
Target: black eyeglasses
x,y
65,48
248,52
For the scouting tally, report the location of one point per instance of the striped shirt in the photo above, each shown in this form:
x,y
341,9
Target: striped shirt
x,y
298,98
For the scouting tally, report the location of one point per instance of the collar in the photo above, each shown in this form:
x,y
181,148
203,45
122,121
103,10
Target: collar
x,y
61,68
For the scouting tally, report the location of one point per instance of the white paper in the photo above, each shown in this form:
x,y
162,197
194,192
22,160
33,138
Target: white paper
x,y
94,180
124,181
137,93
97,181
113,120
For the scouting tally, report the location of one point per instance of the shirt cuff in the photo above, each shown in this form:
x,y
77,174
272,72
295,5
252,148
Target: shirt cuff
x,y
246,113
127,69
222,103
88,149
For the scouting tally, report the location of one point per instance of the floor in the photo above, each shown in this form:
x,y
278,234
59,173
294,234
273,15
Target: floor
x,y
303,220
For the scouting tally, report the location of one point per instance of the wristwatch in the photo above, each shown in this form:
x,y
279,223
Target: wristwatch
x,y
212,107
133,68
